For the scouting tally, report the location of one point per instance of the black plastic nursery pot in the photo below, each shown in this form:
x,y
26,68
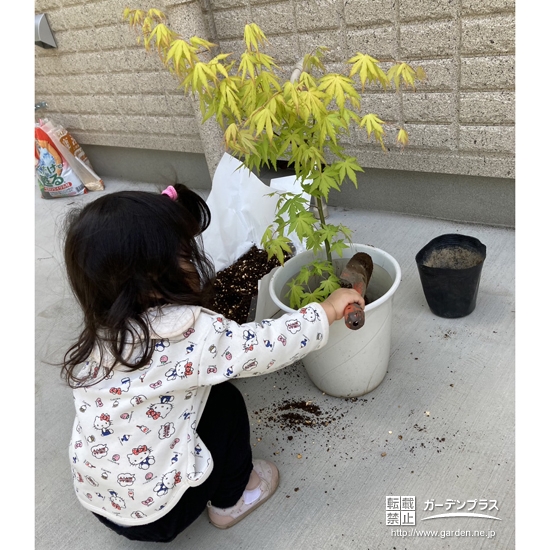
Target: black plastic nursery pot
x,y
450,271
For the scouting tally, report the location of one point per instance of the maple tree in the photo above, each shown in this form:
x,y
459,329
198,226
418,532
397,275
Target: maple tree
x,y
266,118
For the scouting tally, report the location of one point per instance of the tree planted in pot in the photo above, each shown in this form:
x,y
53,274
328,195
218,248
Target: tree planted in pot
x,y
303,120
266,118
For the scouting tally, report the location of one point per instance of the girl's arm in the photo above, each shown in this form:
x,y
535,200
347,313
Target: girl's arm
x,y
231,350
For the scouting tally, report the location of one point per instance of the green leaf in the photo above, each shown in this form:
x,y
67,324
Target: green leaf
x,y
303,223
276,246
314,60
348,167
368,69
374,126
322,181
338,247
328,286
316,296
402,137
180,50
346,231
339,88
320,267
295,295
201,43
314,243
253,36
247,66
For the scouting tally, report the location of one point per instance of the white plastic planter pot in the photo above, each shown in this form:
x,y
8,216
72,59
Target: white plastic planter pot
x,y
352,362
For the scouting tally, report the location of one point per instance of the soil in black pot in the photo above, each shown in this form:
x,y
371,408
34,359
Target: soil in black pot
x,y
453,257
237,285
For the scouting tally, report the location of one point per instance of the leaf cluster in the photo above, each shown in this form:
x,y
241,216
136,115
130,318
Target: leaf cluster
x,y
265,118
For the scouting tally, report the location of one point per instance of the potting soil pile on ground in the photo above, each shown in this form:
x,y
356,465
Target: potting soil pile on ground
x,y
235,286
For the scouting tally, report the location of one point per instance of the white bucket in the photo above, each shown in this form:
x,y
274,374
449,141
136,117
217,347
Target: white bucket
x,y
352,362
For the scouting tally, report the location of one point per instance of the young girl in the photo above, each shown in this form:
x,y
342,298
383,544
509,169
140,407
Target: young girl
x,y
160,434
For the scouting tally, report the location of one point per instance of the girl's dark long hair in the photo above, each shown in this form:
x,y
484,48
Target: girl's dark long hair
x,y
126,252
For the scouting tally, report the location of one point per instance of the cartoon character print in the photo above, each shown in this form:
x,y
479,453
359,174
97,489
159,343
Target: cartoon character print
x,y
94,369
190,348
99,451
309,314
124,387
116,501
213,350
220,325
175,458
188,332
126,480
161,345
269,344
282,338
166,430
138,400
198,465
293,326
92,481
167,482
103,423
160,410
304,341
229,372
250,340
250,364
183,369
141,457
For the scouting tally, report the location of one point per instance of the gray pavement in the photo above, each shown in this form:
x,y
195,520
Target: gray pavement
x,y
439,428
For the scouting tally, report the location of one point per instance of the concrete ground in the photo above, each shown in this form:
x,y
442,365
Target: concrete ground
x,y
439,428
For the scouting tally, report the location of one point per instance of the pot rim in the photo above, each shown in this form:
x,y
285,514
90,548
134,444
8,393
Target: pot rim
x,y
373,305
449,240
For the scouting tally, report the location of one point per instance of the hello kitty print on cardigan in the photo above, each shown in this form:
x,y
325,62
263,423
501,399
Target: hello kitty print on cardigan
x,y
135,449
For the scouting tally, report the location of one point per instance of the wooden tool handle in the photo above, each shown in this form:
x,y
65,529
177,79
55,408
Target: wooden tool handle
x,y
354,316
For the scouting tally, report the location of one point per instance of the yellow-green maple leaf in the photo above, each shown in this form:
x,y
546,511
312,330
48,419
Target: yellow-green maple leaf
x,y
339,88
368,69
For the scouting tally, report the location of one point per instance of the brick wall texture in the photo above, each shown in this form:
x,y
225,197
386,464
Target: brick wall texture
x,y
108,91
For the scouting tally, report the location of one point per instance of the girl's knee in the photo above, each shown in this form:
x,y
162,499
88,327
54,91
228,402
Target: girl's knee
x,y
227,395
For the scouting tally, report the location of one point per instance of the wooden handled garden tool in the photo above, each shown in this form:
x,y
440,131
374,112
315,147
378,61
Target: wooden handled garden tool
x,y
356,274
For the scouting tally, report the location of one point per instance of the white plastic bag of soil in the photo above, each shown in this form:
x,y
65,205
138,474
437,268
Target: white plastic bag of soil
x,y
242,207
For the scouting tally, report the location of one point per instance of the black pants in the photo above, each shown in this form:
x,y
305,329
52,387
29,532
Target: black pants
x,y
225,430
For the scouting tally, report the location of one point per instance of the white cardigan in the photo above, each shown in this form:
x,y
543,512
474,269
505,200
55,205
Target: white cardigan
x,y
134,449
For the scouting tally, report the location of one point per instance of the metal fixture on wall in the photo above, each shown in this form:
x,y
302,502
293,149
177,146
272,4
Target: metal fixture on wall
x,y
43,36
41,105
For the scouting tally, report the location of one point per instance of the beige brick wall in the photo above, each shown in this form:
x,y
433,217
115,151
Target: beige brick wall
x,y
108,91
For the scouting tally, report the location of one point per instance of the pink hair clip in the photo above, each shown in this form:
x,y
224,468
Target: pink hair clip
x,y
171,192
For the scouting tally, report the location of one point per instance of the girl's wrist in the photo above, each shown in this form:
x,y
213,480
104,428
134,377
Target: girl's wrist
x,y
330,311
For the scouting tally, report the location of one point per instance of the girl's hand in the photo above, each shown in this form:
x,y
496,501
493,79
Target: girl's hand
x,y
337,302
